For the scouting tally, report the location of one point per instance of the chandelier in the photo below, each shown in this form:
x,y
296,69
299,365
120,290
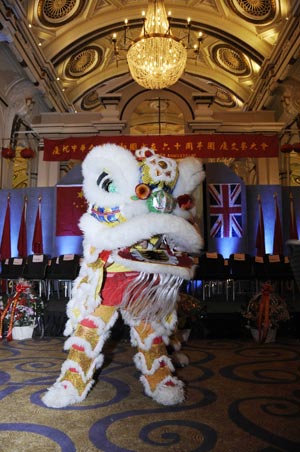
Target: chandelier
x,y
156,59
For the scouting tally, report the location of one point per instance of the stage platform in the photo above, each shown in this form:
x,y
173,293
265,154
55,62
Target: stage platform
x,y
221,318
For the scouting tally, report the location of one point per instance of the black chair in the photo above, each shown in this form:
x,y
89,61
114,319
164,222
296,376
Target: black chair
x,y
61,273
35,271
294,258
260,271
4,275
279,273
214,273
12,270
241,272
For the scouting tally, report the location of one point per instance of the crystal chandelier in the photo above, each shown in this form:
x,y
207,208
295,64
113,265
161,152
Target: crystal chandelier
x,y
156,59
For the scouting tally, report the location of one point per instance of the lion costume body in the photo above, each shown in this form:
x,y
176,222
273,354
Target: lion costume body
x,y
138,232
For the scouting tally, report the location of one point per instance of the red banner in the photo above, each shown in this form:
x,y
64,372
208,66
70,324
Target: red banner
x,y
71,204
278,239
293,223
22,239
37,240
200,146
260,234
5,247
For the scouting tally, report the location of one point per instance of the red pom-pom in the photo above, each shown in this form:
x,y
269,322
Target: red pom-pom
x,y
185,202
148,154
286,148
8,153
27,153
296,147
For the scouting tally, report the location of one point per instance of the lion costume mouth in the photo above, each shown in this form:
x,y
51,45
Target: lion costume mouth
x,y
156,260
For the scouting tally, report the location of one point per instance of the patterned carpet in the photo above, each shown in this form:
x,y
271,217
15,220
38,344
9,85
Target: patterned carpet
x,y
241,397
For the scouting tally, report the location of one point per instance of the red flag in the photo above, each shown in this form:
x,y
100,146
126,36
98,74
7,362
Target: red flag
x,y
277,240
71,204
260,235
22,240
5,249
293,223
37,241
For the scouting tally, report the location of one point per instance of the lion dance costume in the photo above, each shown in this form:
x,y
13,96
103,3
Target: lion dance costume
x,y
137,247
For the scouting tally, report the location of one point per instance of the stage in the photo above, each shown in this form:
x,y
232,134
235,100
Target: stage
x,y
220,319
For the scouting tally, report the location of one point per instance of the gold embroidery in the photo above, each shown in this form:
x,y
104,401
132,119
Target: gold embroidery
x,y
157,377
89,334
155,352
144,330
83,280
104,312
76,381
97,264
81,358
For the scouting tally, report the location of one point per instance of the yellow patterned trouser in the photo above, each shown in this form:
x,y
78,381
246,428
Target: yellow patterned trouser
x,y
86,344
152,359
85,347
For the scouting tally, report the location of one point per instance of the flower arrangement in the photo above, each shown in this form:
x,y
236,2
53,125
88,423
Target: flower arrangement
x,y
21,309
190,313
265,311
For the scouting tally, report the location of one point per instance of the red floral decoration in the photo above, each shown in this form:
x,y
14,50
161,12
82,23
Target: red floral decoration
x,y
27,153
296,147
8,153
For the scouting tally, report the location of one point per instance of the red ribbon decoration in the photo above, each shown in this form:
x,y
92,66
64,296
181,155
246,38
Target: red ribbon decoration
x,y
263,317
12,302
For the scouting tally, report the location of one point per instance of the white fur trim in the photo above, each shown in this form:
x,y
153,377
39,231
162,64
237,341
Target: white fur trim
x,y
85,297
142,227
103,331
191,175
163,394
180,359
167,325
136,340
63,393
162,329
140,362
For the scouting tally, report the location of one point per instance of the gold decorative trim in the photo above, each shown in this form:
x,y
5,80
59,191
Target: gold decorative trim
x,y
255,11
231,60
83,62
54,13
90,101
224,98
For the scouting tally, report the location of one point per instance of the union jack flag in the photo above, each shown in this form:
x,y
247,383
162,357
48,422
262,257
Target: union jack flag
x,y
225,210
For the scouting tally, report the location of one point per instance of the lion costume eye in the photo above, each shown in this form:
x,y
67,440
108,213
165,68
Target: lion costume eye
x,y
105,182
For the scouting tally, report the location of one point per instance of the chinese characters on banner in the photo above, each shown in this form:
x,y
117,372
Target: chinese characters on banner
x,y
202,146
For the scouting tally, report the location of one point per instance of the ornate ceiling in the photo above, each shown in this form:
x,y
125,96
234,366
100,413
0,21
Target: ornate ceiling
x,y
249,48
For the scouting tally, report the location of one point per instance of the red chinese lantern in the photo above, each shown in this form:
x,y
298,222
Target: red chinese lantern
x,y
8,153
286,148
27,153
296,147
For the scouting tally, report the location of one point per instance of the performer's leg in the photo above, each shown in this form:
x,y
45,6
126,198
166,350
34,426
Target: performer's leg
x,y
155,364
85,347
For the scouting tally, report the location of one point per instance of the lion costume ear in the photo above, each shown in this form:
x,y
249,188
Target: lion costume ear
x,y
191,174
